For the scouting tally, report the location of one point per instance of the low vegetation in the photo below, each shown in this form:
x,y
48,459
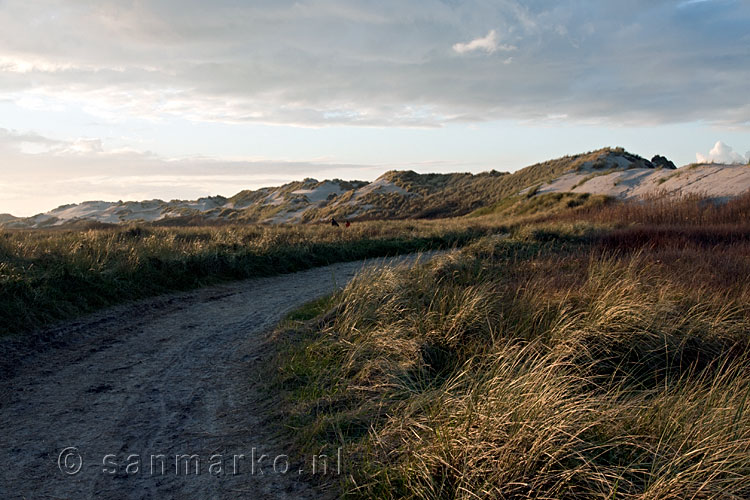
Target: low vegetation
x,y
575,347
662,209
593,176
49,275
429,196
547,204
394,195
593,353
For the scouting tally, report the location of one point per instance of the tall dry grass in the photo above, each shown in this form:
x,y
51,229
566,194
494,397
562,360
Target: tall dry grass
x,y
536,368
666,209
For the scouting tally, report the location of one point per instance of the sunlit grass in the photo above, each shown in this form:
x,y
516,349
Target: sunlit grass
x,y
569,360
48,275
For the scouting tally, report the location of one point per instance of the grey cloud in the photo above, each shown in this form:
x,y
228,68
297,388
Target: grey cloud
x,y
11,140
329,62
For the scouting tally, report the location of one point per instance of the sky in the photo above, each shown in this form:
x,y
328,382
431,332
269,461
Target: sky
x,y
138,99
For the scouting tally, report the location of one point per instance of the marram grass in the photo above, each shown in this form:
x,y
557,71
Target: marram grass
x,y
534,369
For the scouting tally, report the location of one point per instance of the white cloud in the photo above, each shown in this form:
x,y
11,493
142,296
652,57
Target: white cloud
x,y
721,153
687,3
488,44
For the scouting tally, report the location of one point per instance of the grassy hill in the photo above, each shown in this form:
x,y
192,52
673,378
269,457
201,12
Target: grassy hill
x,y
394,195
428,196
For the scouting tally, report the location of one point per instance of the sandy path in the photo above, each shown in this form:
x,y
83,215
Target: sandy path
x,y
174,375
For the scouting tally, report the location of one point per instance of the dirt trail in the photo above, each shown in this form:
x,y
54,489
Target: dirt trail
x,y
174,375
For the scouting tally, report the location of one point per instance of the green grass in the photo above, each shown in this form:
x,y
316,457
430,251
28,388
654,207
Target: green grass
x,y
594,175
447,195
664,179
310,310
571,360
538,204
47,276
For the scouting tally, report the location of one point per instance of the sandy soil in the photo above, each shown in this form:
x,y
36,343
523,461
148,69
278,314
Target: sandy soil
x,y
713,180
175,375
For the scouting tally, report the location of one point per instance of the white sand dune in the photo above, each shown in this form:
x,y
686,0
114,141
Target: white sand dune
x,y
611,172
712,180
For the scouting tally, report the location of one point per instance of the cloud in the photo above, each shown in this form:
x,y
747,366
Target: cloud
x,y
57,172
356,62
688,3
722,153
487,44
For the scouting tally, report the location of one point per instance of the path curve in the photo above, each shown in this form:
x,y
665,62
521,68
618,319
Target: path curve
x,y
170,376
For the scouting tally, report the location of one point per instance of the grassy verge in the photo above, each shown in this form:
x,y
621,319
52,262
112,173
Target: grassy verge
x,y
565,362
546,204
46,276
